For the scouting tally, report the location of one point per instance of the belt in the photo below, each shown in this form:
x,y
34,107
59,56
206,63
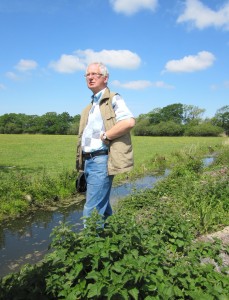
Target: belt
x,y
95,153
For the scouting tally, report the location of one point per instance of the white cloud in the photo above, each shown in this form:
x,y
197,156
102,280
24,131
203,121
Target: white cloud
x,y
200,16
140,84
67,64
122,59
133,85
26,65
12,76
191,63
130,7
162,84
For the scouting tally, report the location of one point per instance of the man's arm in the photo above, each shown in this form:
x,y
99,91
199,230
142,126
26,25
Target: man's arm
x,y
120,128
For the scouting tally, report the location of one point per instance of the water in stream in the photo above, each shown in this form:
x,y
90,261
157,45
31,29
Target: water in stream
x,y
26,240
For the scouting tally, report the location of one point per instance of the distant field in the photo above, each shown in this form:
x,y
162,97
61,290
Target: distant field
x,y
56,153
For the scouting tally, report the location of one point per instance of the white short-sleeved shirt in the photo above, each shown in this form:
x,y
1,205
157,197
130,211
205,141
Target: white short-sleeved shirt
x,y
91,136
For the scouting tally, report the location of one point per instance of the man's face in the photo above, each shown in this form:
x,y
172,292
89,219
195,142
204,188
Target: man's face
x,y
95,80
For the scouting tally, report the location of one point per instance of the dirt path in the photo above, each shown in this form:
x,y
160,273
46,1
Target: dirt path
x,y
223,235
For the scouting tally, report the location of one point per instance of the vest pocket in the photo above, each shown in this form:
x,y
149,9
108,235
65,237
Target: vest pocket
x,y
110,114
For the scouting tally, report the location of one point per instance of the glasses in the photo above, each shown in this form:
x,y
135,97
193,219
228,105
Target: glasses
x,y
97,75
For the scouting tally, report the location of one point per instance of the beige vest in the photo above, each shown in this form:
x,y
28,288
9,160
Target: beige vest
x,y
120,154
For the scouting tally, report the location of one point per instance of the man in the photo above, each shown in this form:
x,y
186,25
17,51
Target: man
x,y
104,146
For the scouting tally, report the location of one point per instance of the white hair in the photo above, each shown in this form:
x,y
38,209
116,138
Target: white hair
x,y
102,67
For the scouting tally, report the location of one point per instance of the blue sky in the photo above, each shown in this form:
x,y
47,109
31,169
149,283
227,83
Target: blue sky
x,y
158,52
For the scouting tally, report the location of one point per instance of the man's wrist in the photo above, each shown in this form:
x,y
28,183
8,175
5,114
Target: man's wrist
x,y
105,137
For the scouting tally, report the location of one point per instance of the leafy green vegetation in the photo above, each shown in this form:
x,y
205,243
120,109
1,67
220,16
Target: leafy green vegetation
x,y
205,129
20,192
180,119
49,123
149,249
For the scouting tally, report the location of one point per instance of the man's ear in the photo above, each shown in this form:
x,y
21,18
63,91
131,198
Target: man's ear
x,y
106,79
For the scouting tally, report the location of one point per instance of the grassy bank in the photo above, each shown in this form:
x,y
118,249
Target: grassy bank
x,y
37,169
149,249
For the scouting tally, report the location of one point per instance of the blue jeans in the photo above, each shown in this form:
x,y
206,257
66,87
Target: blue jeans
x,y
98,186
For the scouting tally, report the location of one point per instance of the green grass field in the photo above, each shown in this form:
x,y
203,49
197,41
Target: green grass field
x,y
37,152
56,153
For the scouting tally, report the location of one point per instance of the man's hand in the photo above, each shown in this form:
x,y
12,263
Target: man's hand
x,y
104,138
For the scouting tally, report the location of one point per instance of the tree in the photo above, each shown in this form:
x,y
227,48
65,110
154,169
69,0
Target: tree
x,y
31,124
155,116
173,112
191,113
64,123
221,118
12,123
169,128
49,123
142,128
204,129
74,126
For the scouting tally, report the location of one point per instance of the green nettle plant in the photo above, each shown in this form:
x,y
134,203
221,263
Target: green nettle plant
x,y
149,249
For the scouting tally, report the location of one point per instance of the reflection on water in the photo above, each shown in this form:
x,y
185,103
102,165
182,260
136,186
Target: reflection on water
x,y
143,183
26,240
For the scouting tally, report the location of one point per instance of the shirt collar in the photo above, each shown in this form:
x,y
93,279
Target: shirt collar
x,y
96,98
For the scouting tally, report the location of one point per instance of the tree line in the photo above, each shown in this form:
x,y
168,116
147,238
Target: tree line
x,y
49,123
172,120
180,119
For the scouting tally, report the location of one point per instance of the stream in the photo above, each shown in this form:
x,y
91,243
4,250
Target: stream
x,y
26,240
